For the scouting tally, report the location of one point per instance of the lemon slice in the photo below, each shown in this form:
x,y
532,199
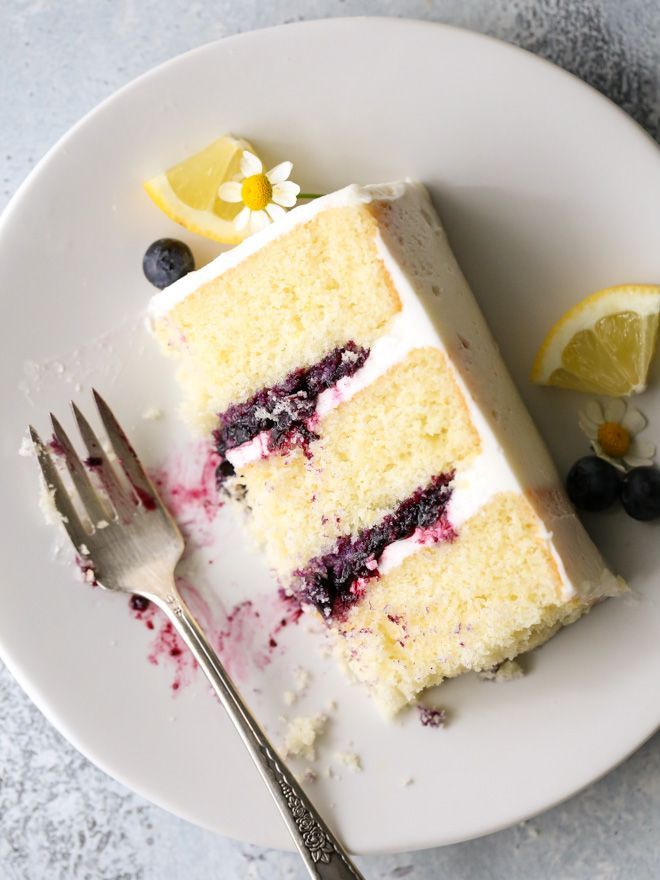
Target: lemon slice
x,y
604,344
188,192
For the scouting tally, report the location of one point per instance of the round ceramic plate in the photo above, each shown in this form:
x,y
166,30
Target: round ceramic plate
x,y
548,192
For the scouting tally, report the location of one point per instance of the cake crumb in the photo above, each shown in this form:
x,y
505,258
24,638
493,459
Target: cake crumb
x,y
302,678
507,671
407,782
84,550
430,717
47,504
310,775
349,357
302,735
102,524
26,449
350,760
332,706
152,413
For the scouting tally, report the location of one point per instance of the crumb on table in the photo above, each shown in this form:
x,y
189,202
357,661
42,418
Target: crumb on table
x,y
302,735
507,671
350,760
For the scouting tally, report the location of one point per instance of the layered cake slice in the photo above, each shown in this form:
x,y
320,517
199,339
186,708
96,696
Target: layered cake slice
x,y
388,466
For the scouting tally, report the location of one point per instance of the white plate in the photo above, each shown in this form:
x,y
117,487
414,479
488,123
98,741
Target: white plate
x,y
548,192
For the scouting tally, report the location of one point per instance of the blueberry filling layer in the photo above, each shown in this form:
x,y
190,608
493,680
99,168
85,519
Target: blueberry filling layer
x,y
336,581
284,411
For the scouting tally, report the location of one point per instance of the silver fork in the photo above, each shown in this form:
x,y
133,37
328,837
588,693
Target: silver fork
x,y
132,545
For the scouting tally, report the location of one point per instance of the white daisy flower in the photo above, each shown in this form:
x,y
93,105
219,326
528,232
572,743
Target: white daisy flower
x,y
612,429
265,194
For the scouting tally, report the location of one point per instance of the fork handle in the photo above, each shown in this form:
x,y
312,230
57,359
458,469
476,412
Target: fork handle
x,y
324,857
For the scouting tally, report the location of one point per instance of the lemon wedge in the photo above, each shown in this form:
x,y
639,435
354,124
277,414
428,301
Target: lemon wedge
x,y
188,192
604,344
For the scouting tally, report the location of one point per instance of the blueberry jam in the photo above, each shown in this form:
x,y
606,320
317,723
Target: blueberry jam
x,y
429,717
285,411
139,603
336,581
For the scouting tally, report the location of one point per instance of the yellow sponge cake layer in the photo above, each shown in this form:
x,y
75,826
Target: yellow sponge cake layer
x,y
379,447
464,605
281,308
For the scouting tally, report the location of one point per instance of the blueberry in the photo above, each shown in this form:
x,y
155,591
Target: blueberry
x,y
167,260
593,484
640,493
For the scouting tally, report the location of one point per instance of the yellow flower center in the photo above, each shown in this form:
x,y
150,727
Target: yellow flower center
x,y
256,192
614,439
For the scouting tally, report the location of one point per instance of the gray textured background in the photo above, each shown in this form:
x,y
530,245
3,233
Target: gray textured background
x,y
59,816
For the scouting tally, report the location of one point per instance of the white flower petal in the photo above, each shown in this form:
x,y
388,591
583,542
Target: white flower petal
x,y
287,187
275,211
633,461
259,220
642,448
615,410
250,164
583,419
280,172
634,421
588,427
284,200
594,411
230,192
286,194
242,219
614,461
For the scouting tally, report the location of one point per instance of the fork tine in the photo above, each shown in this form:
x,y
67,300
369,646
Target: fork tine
x,y
61,499
127,456
79,476
120,499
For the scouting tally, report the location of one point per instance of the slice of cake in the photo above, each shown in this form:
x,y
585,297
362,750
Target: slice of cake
x,y
389,468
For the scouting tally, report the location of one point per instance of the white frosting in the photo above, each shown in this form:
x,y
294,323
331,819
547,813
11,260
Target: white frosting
x,y
250,451
396,552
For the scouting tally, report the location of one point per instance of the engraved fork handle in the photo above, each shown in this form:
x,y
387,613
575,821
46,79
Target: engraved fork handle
x,y
324,856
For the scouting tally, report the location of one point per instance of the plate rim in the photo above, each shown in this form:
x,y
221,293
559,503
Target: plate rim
x,y
32,178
